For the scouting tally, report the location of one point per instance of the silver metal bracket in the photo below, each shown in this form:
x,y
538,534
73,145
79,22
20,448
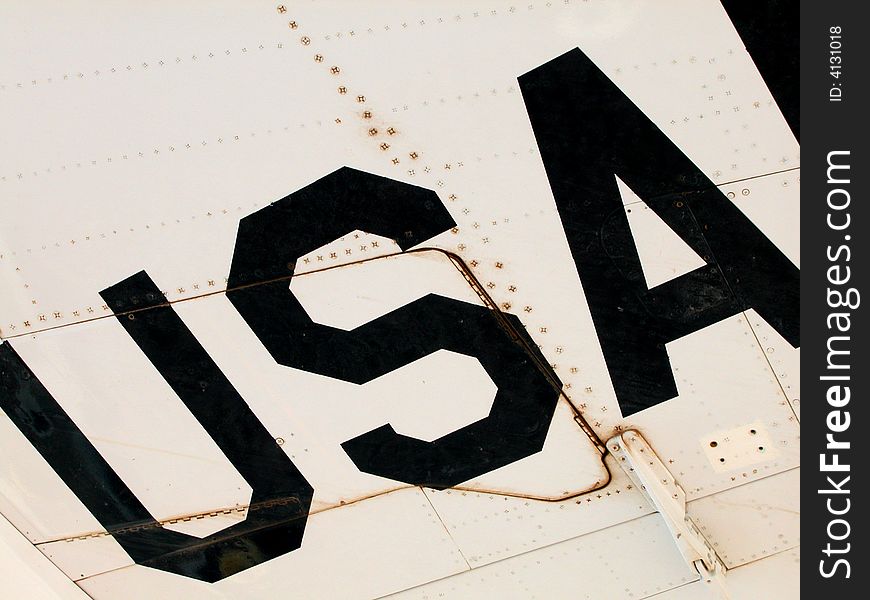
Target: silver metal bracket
x,y
651,476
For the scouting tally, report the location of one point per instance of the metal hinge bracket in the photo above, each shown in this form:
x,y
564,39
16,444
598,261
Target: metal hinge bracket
x,y
652,477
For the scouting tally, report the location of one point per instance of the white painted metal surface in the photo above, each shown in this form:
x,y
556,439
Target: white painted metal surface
x,y
142,134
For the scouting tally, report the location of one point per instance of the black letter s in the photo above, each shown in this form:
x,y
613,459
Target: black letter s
x,y
268,244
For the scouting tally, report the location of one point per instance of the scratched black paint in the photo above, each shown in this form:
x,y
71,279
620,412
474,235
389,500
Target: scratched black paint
x,y
588,131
